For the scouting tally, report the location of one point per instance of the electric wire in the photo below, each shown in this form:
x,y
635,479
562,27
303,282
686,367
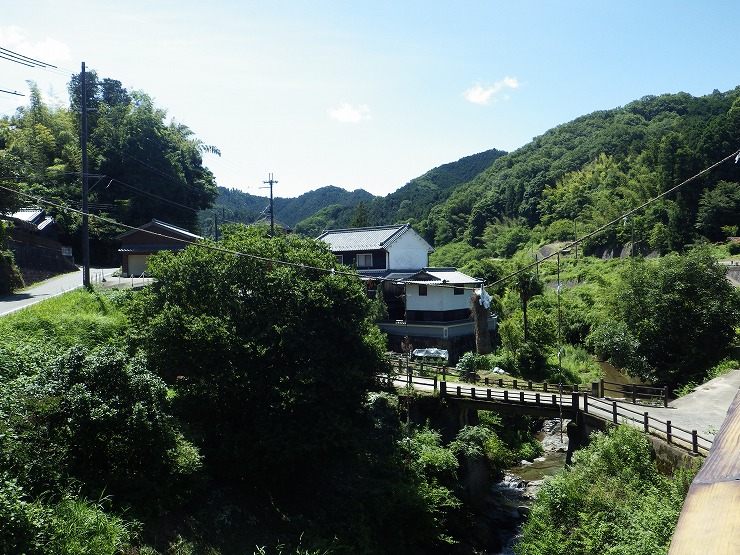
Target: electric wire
x,y
616,220
216,248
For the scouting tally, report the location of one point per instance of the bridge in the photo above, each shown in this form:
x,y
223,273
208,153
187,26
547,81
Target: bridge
x,y
689,423
699,423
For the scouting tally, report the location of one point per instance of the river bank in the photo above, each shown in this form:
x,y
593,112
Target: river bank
x,y
510,499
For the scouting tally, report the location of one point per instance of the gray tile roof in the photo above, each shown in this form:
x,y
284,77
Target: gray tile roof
x,y
362,238
438,276
177,231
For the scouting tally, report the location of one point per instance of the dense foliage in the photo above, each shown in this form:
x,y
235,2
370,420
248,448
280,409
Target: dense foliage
x,y
612,501
245,340
79,423
600,165
142,166
672,319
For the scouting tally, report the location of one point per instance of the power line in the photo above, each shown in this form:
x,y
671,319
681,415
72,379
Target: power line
x,y
223,250
22,59
735,154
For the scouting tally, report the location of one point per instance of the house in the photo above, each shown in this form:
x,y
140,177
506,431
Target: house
x,y
429,306
382,248
150,238
34,240
32,225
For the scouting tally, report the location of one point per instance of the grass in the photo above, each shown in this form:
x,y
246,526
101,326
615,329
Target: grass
x,y
716,371
36,334
77,317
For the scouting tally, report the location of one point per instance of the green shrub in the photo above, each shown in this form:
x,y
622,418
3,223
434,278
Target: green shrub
x,y
10,276
79,527
612,501
23,523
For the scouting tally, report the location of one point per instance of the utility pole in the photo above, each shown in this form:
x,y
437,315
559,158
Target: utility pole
x,y
271,181
575,237
85,225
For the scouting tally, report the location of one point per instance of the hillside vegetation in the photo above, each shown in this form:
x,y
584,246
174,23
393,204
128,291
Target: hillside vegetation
x,y
591,170
235,206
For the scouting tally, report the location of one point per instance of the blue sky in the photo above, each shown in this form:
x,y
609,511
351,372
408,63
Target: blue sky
x,y
372,94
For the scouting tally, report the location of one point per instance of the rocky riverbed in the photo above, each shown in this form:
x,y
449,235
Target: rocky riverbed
x,y
512,497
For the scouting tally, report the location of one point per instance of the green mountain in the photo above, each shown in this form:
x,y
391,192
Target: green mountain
x,y
235,206
410,203
333,207
587,172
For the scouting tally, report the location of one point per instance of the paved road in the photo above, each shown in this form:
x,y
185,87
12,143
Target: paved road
x,y
705,408
50,288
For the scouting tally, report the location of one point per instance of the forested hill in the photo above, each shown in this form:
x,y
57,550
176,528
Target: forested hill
x,y
233,205
333,207
410,203
601,165
582,174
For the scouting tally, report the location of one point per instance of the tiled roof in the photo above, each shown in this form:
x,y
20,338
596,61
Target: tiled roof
x,y
178,231
362,238
151,248
438,276
396,275
28,214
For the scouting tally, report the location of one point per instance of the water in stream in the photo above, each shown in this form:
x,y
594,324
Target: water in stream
x,y
516,492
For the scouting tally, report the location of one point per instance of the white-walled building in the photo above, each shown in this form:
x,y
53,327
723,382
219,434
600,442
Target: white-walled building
x,y
430,306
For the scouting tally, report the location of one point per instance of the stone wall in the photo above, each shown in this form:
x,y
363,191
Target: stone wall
x,y
37,263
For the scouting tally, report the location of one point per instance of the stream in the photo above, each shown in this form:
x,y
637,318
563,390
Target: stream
x,y
513,496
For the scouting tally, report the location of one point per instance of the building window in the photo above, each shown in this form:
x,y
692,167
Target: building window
x,y
340,258
422,290
459,290
364,260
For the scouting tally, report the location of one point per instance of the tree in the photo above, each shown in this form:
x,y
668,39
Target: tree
x,y
681,311
527,285
718,208
360,219
245,339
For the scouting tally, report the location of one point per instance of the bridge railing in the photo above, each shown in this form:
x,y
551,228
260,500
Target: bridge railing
x,y
410,379
608,411
665,429
546,398
635,392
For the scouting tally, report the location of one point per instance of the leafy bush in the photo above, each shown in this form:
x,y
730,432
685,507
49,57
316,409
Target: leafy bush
x,y
69,526
612,501
470,363
96,417
23,523
10,277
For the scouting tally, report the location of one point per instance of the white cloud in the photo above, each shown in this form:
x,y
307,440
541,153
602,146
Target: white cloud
x,y
477,94
48,50
346,113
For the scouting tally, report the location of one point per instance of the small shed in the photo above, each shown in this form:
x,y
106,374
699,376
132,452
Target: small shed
x,y
150,238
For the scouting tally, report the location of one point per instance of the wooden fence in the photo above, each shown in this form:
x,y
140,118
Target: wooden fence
x,y
603,409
